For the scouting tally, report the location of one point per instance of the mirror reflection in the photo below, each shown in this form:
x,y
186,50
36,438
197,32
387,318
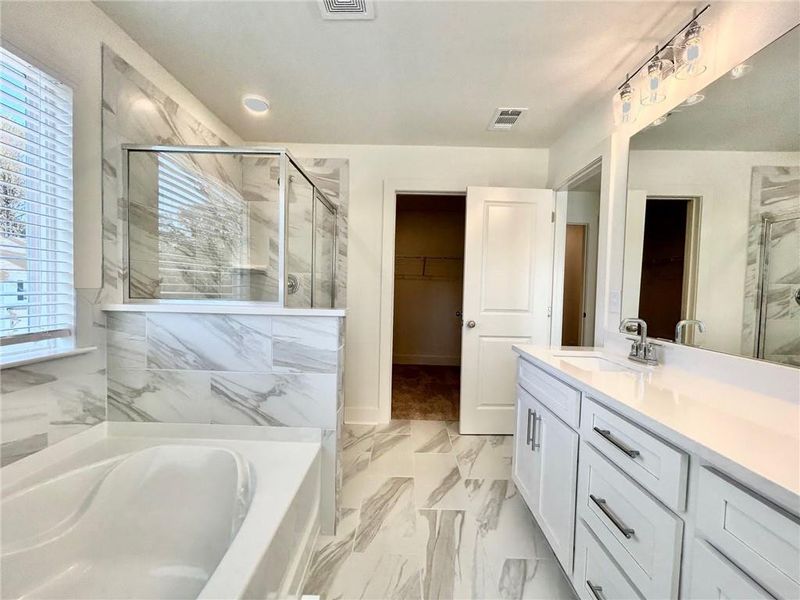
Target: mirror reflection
x,y
712,234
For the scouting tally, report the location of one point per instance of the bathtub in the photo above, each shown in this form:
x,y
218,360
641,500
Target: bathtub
x,y
147,510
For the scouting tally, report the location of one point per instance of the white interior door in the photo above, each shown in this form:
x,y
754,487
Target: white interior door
x,y
507,283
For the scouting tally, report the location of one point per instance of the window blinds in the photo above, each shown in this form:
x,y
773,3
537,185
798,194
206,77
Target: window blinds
x,y
36,260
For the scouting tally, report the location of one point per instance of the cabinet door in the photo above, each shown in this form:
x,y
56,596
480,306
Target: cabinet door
x,y
556,446
713,576
526,467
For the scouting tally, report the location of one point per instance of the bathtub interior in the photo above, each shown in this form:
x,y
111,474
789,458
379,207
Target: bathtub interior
x,y
122,516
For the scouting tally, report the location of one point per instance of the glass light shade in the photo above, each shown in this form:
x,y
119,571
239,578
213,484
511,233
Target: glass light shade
x,y
653,82
689,53
627,107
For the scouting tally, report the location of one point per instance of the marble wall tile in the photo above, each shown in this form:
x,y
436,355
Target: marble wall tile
x,y
208,342
296,400
159,396
305,344
328,485
75,405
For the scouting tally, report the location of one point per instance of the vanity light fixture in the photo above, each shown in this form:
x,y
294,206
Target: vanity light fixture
x,y
256,105
740,70
659,121
684,58
694,99
627,106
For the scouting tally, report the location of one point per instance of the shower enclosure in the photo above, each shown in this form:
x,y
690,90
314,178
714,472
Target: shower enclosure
x,y
210,224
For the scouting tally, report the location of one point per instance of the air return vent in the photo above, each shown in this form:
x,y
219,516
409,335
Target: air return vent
x,y
350,10
505,118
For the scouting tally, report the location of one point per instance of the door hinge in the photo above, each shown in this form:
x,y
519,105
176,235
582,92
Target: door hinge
x,y
553,217
549,311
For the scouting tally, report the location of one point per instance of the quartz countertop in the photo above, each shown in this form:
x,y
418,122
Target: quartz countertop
x,y
753,437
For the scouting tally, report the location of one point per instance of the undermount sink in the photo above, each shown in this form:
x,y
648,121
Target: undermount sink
x,y
592,363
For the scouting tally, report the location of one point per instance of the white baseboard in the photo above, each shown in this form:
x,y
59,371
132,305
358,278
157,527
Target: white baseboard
x,y
359,415
426,359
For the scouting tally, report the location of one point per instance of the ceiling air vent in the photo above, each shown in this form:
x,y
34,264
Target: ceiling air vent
x,y
505,118
349,10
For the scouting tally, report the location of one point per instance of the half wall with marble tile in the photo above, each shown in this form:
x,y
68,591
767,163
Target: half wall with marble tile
x,y
254,369
771,327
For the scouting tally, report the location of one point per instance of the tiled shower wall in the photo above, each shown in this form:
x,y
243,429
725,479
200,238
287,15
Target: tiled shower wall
x,y
234,370
775,192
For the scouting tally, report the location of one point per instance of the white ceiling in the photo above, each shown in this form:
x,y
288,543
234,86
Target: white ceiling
x,y
758,112
427,73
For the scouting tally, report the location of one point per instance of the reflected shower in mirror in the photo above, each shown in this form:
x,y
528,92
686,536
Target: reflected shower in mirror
x,y
712,233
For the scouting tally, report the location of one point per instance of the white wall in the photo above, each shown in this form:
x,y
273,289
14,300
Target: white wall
x,y
584,208
65,39
740,30
370,167
722,181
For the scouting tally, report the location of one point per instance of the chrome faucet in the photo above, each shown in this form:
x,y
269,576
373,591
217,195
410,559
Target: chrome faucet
x,y
642,351
680,328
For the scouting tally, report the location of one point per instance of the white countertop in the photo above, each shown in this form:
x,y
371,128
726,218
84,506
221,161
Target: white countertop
x,y
252,308
753,437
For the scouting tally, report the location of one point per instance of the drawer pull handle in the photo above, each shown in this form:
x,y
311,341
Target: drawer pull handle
x,y
603,506
528,437
537,439
615,442
597,590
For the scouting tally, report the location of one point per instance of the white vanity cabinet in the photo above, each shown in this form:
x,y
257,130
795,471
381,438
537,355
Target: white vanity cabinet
x,y
545,471
614,500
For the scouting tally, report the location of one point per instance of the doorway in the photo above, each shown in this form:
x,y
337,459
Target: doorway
x,y
575,265
428,292
666,294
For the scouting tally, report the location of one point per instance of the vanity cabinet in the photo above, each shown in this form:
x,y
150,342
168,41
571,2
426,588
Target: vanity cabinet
x,y
544,470
614,501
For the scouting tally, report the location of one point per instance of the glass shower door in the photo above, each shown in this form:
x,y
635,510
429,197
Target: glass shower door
x,y
324,252
779,310
299,232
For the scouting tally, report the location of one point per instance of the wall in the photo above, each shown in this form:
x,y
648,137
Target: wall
x,y
584,208
231,370
45,402
740,30
723,181
370,168
426,328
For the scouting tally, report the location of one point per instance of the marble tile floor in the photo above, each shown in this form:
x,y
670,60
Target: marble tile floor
x,y
427,513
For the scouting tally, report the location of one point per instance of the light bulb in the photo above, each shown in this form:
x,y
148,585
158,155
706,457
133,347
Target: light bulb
x,y
694,99
691,53
740,70
659,121
652,92
626,103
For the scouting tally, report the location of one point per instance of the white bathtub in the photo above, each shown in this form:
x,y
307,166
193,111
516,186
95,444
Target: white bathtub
x,y
161,511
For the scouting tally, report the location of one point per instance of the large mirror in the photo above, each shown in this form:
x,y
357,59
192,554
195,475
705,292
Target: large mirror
x,y
712,235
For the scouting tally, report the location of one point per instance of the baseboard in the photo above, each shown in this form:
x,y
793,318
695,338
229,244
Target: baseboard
x,y
359,415
426,359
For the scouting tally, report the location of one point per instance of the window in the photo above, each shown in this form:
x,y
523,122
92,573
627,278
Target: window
x,y
36,280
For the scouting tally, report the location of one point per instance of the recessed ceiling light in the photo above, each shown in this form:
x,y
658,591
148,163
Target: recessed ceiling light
x,y
257,105
740,70
659,121
694,99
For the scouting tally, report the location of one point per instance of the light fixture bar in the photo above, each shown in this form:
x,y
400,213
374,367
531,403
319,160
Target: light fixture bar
x,y
660,49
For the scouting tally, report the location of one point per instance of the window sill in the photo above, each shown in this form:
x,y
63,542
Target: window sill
x,y
42,355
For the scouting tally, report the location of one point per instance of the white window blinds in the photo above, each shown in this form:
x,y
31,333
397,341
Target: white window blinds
x,y
36,280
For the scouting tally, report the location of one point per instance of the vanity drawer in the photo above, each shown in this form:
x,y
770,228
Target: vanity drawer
x,y
642,536
564,401
595,569
659,467
761,540
713,576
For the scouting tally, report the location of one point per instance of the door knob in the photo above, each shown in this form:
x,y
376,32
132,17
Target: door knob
x,y
471,324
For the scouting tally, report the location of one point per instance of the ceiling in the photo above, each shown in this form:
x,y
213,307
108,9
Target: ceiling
x,y
423,73
758,112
